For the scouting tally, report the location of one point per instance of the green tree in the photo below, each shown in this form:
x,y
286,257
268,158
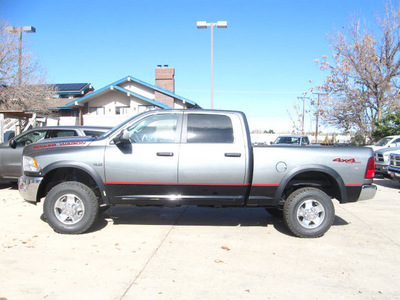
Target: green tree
x,y
269,131
388,125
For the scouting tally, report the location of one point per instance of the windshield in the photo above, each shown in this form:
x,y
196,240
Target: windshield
x,y
287,140
383,142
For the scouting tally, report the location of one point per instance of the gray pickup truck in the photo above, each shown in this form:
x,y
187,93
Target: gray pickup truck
x,y
192,157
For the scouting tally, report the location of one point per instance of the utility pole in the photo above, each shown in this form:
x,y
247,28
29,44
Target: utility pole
x,y
317,115
304,111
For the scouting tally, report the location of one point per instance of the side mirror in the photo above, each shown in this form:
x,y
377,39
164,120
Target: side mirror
x,y
122,138
12,143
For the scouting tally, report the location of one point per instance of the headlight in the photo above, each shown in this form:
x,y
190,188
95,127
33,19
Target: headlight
x,y
29,164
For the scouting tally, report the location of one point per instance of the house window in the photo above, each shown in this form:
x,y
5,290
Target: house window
x,y
97,110
122,110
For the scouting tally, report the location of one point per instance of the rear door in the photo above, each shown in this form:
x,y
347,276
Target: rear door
x,y
213,159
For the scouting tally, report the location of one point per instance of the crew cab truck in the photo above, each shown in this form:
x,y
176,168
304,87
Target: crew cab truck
x,y
192,157
394,166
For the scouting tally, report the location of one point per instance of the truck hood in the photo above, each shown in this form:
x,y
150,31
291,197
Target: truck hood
x,y
388,150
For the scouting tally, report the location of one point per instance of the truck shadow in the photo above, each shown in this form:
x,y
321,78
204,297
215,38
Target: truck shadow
x,y
194,216
386,182
8,185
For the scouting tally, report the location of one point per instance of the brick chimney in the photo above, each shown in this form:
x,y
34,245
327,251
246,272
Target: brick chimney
x,y
165,79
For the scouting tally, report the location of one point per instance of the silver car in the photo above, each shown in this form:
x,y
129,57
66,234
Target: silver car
x,y
292,140
11,151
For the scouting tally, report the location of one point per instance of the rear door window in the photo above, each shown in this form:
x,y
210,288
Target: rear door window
x,y
203,128
62,133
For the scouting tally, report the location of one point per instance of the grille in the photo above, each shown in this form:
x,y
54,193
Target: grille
x,y
379,157
394,160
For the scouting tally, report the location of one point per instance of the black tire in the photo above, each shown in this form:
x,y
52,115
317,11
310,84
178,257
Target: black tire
x,y
308,213
70,208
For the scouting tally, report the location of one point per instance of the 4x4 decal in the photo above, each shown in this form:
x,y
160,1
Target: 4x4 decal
x,y
347,161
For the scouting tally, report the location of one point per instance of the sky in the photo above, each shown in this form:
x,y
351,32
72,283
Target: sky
x,y
263,60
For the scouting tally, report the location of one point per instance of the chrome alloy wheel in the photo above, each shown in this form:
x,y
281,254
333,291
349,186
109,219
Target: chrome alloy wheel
x,y
69,209
310,214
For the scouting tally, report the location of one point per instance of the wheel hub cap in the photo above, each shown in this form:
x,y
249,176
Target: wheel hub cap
x,y
310,214
69,209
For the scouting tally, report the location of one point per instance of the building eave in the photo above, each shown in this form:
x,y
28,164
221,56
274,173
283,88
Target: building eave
x,y
116,85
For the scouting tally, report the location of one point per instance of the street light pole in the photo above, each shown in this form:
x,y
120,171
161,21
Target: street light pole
x,y
212,67
19,30
202,25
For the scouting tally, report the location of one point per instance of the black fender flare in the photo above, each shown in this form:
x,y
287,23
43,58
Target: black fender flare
x,y
82,166
310,168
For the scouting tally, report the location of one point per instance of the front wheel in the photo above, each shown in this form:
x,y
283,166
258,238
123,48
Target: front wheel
x,y
308,213
71,207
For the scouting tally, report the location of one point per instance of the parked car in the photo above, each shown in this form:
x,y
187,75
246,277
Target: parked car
x,y
296,140
382,160
11,151
386,142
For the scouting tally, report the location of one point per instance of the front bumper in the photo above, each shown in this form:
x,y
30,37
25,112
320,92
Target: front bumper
x,y
381,169
28,187
367,192
394,175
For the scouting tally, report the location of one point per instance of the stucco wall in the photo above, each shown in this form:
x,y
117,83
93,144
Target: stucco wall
x,y
138,89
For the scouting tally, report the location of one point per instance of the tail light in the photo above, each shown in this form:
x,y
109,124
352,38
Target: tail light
x,y
370,169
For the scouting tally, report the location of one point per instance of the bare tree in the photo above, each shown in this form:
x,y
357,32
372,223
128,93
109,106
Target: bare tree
x,y
21,85
363,78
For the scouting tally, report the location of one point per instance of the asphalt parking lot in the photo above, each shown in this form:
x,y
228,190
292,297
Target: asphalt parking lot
x,y
202,253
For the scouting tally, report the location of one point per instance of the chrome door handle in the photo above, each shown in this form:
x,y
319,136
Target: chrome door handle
x,y
233,154
165,153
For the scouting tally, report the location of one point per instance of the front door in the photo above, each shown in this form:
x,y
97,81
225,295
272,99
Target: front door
x,y
12,157
146,168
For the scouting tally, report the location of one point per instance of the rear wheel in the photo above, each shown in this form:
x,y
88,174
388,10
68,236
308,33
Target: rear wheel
x,y
71,207
308,213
